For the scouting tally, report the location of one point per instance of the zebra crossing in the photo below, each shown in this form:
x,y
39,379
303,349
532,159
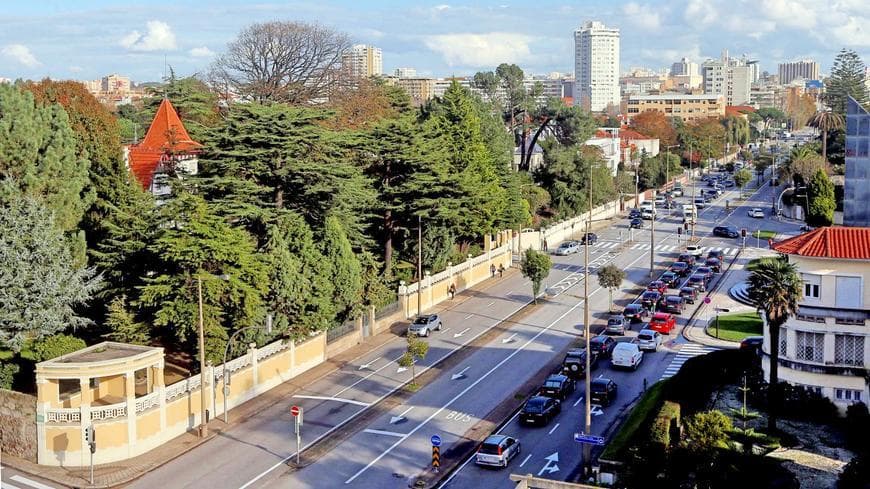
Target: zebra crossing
x,y
664,248
687,351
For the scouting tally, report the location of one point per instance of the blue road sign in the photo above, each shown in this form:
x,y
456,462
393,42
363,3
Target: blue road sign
x,y
436,441
590,439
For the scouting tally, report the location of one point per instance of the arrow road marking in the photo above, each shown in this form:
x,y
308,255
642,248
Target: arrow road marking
x,y
550,466
401,417
460,374
509,339
401,369
457,335
367,365
381,432
597,411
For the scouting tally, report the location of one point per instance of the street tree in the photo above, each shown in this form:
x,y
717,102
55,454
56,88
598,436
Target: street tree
x,y
741,178
290,62
847,80
822,203
611,278
704,136
42,290
416,350
535,266
827,121
655,125
775,287
804,167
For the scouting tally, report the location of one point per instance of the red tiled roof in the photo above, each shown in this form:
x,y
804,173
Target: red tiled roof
x,y
739,109
624,133
851,243
165,137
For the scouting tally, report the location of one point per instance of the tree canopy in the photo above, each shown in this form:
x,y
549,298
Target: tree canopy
x,y
847,80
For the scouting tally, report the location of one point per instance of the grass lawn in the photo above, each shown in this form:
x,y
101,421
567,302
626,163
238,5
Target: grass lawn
x,y
763,234
735,327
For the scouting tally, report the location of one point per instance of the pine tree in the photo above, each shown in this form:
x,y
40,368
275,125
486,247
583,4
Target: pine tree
x,y
123,325
822,203
847,79
343,268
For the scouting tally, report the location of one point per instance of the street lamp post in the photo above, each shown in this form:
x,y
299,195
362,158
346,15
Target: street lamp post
x,y
419,265
587,452
203,426
692,176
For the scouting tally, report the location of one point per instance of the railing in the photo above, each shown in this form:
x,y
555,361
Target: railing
x,y
111,411
182,387
147,401
63,415
339,332
271,349
387,310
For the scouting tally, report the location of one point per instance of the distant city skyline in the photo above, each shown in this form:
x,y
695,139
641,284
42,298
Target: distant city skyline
x,y
86,40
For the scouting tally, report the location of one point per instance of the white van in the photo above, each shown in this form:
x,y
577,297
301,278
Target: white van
x,y
690,213
626,355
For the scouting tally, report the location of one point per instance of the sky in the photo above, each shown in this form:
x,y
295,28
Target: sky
x,y
88,39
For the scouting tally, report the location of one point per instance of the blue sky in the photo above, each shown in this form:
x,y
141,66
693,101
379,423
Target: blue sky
x,y
86,39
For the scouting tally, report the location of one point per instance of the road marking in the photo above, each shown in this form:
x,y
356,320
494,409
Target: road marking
x,y
527,282
554,429
6,485
445,330
526,459
491,303
578,401
457,335
469,316
365,378
401,417
551,465
509,292
28,482
509,339
460,374
382,432
369,364
336,399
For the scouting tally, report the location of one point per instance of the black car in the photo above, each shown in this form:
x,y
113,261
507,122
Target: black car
x,y
592,238
726,231
636,223
670,278
540,410
687,258
574,363
681,268
602,345
558,387
674,304
689,294
603,391
706,272
717,254
634,213
697,281
650,299
752,343
635,312
714,264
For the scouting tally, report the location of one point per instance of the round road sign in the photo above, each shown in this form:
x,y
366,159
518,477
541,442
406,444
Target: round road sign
x,y
436,441
294,410
707,300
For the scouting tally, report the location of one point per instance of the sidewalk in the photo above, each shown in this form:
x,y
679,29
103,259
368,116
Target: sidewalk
x,y
123,472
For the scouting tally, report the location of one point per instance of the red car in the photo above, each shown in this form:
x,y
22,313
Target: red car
x,y
658,286
662,322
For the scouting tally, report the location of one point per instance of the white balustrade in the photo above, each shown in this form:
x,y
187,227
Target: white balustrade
x,y
63,415
147,402
272,348
111,411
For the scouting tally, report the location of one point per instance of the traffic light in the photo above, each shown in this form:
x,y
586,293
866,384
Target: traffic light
x,y
679,231
91,438
743,233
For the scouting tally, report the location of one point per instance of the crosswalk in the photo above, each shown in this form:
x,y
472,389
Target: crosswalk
x,y
686,352
21,482
664,248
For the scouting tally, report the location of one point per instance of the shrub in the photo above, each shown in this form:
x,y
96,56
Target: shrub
x,y
707,431
667,419
857,428
692,386
856,474
7,375
55,346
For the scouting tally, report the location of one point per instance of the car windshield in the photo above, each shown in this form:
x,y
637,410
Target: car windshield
x,y
674,300
687,290
632,307
644,337
421,321
554,384
534,406
599,387
651,295
489,449
565,245
679,264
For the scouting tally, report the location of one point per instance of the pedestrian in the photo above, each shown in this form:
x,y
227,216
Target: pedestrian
x,y
452,291
644,384
500,270
492,269
545,244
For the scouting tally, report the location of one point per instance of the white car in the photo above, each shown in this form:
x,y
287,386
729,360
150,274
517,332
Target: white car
x,y
649,340
694,250
567,248
497,451
626,355
756,213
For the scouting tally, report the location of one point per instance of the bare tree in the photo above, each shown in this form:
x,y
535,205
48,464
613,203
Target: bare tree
x,y
292,62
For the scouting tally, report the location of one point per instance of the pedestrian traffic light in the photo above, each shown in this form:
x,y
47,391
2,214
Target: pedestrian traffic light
x,y
743,233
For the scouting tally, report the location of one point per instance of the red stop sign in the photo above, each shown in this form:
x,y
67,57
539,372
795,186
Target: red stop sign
x,y
294,410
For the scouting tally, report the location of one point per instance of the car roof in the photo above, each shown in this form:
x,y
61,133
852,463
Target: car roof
x,y
687,289
661,315
537,400
600,339
601,381
557,377
680,264
650,332
495,439
633,306
622,345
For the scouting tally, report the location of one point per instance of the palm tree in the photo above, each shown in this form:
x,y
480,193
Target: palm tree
x,y
826,121
775,286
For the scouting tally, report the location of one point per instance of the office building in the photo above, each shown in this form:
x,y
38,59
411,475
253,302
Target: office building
x,y
806,69
362,61
684,67
729,77
688,107
596,66
856,198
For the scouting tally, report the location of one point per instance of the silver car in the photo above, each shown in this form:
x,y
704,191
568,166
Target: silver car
x,y
649,340
568,247
424,325
616,324
497,451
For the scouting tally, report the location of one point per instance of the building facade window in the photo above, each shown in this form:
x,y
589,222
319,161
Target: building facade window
x,y
849,292
809,347
848,395
783,342
849,350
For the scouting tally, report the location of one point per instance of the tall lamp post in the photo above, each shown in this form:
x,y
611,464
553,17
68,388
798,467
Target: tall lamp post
x,y
668,164
692,175
587,452
203,426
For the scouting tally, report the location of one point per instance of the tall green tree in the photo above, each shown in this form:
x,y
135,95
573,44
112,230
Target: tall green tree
x,y
41,287
611,277
343,268
566,175
847,80
826,122
123,326
822,203
775,286
535,266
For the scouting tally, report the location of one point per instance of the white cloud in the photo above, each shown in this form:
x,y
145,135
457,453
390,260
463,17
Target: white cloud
x,y
481,50
789,13
158,37
441,8
643,16
20,54
201,52
700,11
855,32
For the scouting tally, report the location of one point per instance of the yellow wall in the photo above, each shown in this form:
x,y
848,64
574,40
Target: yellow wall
x,y
274,366
63,438
111,434
311,351
148,424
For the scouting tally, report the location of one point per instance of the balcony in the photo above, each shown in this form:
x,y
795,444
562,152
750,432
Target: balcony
x,y
825,369
833,315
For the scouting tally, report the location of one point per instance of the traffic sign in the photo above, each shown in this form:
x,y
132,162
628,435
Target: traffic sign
x,y
294,410
436,441
589,439
707,300
436,458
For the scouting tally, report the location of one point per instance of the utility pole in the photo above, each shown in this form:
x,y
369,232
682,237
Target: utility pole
x,y
203,426
587,449
419,265
652,239
694,214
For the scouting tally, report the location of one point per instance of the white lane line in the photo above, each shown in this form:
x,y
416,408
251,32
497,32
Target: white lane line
x,y
554,429
382,432
509,292
28,482
407,411
527,282
336,399
491,303
578,401
445,330
470,315
6,485
526,459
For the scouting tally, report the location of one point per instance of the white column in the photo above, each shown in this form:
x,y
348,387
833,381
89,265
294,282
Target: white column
x,y
828,354
130,393
252,351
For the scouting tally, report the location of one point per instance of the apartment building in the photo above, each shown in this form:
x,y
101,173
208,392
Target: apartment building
x,y
685,106
806,69
419,89
362,61
729,78
596,66
824,347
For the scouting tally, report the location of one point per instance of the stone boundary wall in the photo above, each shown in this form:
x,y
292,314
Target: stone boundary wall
x,y
18,424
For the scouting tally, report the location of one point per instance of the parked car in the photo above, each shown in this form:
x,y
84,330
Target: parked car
x,y
689,294
756,212
616,324
635,312
592,238
634,213
649,340
540,410
674,304
497,451
681,268
662,322
602,345
647,214
718,254
567,248
698,282
714,264
636,223
705,271
726,231
660,200
753,343
677,191
658,285
694,250
699,202
687,258
729,183
424,325
626,355
574,363
650,299
558,387
603,391
669,278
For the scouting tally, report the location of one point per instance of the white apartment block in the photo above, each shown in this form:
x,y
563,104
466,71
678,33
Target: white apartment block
x,y
806,69
405,73
363,61
730,78
596,66
684,67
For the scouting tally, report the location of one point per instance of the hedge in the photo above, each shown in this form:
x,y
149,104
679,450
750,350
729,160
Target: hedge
x,y
648,403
